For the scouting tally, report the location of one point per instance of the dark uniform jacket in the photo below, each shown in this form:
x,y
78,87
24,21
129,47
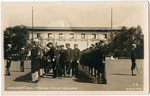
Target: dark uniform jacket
x,y
133,57
8,57
133,54
8,54
44,60
34,59
22,55
100,58
62,55
92,58
68,57
76,54
52,53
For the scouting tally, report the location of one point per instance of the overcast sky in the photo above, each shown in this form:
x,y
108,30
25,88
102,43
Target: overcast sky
x,y
74,14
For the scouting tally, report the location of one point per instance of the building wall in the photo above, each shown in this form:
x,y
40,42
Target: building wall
x,y
83,39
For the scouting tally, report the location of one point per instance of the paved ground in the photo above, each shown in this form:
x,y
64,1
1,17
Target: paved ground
x,y
118,77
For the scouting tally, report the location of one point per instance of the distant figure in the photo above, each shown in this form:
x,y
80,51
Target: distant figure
x,y
133,59
8,58
76,59
68,59
22,57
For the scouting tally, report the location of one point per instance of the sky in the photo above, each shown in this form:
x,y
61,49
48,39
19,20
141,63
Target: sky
x,y
74,14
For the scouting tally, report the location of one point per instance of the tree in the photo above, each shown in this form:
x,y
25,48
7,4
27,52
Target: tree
x,y
123,41
16,36
139,40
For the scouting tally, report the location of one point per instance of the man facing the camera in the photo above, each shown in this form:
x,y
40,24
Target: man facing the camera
x,y
68,59
76,59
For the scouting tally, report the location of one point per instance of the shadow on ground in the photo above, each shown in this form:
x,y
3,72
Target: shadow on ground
x,y
120,74
27,77
27,68
15,71
24,78
84,77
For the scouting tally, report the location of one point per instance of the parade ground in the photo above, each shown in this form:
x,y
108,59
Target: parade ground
x,y
118,78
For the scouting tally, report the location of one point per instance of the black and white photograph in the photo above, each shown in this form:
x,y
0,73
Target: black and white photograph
x,y
75,47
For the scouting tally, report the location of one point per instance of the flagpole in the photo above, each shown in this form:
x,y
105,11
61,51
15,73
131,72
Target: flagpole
x,y
111,29
111,22
32,24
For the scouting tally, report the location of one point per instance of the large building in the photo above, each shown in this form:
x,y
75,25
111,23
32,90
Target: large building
x,y
83,36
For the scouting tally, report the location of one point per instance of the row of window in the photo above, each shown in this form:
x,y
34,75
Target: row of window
x,y
71,36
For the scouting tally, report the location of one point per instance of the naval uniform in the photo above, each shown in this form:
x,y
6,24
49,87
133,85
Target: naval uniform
x,y
8,59
62,61
34,64
52,55
75,62
133,58
68,60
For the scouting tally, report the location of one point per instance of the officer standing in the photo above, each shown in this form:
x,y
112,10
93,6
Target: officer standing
x,y
133,59
34,62
92,59
62,60
48,64
68,59
44,61
58,67
76,59
52,54
8,59
41,62
22,57
100,59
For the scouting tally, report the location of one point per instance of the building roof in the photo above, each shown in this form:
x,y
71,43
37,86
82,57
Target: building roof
x,y
96,29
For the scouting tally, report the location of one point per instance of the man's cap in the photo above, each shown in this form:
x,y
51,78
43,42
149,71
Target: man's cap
x,y
134,45
75,44
92,45
61,45
58,46
34,42
101,41
22,48
67,44
96,43
9,45
50,43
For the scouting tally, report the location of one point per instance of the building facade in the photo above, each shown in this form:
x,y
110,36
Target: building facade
x,y
83,36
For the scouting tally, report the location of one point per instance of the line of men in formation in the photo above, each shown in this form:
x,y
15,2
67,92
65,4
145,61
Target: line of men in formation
x,y
93,60
61,61
58,59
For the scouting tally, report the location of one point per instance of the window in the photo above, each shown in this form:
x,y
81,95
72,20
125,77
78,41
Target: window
x,y
93,36
60,35
105,35
38,35
82,36
49,35
71,36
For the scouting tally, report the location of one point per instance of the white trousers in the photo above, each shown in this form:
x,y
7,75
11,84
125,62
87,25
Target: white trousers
x,y
35,76
41,71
